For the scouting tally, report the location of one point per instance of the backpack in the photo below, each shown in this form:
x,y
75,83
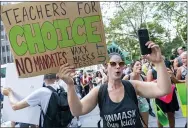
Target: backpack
x,y
58,113
130,91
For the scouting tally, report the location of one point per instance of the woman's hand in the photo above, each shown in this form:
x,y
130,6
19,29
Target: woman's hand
x,y
171,74
66,73
155,56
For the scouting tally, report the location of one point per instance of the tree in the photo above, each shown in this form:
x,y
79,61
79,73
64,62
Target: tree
x,y
175,14
157,17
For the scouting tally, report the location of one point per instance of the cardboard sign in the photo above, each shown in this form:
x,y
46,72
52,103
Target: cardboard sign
x,y
21,87
45,35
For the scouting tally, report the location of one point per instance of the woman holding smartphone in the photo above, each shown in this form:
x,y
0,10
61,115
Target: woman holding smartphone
x,y
118,109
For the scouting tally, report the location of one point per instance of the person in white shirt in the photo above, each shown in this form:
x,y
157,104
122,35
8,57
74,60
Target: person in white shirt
x,y
39,97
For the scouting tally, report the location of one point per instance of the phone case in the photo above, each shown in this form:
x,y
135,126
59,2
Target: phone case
x,y
143,39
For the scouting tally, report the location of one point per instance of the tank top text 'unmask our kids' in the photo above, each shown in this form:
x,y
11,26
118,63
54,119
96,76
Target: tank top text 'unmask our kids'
x,y
122,114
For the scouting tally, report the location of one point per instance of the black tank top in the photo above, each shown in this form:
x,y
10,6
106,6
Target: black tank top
x,y
123,114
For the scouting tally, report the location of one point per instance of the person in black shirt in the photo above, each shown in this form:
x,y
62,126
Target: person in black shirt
x,y
118,109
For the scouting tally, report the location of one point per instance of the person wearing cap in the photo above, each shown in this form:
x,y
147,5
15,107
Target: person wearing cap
x,y
39,97
178,60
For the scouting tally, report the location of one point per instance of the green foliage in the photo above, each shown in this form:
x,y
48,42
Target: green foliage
x,y
166,22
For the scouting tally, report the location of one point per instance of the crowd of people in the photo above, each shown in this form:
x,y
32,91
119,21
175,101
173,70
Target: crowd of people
x,y
113,88
143,70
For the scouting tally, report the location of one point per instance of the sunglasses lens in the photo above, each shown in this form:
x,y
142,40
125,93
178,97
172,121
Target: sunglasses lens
x,y
113,64
121,64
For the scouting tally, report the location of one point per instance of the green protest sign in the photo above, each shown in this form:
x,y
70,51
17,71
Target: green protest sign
x,y
182,93
45,35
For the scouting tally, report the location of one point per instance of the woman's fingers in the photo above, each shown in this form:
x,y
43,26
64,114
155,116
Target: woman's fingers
x,y
67,71
72,74
155,46
151,44
63,66
148,43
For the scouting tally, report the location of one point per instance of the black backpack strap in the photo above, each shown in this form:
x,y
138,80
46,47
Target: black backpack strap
x,y
41,114
40,120
132,94
41,111
101,95
51,88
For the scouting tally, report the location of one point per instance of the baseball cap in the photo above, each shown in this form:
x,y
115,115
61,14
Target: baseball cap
x,y
50,76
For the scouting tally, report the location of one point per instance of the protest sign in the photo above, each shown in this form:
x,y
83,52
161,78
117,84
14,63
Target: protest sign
x,y
182,94
21,87
45,35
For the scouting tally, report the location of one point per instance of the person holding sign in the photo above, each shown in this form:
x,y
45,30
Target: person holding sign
x,y
117,99
45,35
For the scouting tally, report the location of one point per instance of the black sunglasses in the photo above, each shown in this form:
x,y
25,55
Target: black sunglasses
x,y
113,64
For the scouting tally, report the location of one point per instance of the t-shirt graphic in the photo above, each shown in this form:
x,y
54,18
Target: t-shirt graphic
x,y
123,114
122,119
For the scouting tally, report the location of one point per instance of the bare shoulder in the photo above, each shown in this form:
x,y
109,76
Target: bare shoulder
x,y
179,68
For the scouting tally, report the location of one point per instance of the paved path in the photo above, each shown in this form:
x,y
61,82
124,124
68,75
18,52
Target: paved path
x,y
91,119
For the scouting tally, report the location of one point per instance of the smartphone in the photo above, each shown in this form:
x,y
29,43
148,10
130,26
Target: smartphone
x,y
143,37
